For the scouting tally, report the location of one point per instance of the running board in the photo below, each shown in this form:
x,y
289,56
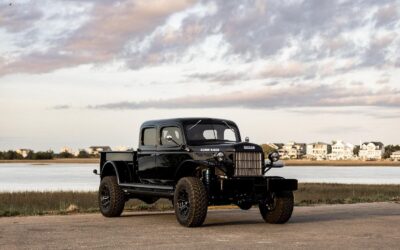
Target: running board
x,y
148,190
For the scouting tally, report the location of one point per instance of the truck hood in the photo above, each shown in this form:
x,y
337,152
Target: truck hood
x,y
227,147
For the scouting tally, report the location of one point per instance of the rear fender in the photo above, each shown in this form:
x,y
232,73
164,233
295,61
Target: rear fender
x,y
119,169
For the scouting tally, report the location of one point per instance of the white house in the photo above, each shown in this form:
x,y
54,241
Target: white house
x,y
68,150
95,150
318,150
341,151
371,151
395,156
24,152
292,150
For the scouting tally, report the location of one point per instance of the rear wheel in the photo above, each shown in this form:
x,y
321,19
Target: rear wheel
x,y
111,197
190,202
278,208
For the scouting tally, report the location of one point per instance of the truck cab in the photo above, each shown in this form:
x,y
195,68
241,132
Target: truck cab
x,y
195,162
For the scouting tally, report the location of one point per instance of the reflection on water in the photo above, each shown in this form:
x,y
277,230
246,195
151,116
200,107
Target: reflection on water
x,y
79,177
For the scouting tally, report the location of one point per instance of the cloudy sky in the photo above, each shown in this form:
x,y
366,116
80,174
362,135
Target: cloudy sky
x,y
89,72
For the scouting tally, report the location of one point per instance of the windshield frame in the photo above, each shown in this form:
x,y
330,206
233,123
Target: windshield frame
x,y
227,123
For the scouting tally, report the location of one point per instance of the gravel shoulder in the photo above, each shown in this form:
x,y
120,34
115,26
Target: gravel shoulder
x,y
356,226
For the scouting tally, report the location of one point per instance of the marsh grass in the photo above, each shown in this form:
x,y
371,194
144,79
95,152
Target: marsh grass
x,y
45,203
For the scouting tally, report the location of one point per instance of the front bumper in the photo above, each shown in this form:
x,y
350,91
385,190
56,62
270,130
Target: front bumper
x,y
252,189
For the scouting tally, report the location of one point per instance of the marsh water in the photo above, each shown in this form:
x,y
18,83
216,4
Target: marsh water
x,y
79,177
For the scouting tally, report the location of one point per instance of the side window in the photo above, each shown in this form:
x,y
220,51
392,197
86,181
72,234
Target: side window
x,y
149,137
174,132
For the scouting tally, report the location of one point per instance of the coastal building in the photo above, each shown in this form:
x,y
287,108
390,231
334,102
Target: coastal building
x,y
292,150
371,151
123,148
318,150
276,146
95,150
68,150
24,152
395,156
341,151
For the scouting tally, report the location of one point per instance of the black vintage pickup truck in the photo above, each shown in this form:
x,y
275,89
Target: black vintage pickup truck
x,y
195,162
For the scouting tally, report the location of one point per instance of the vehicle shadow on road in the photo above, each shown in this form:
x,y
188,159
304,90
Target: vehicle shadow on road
x,y
340,215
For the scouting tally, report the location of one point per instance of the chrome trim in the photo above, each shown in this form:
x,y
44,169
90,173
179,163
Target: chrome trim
x,y
248,164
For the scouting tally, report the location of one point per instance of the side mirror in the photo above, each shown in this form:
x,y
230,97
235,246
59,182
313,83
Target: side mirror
x,y
170,139
246,139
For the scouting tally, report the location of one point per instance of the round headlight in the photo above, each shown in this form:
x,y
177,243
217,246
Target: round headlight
x,y
219,156
274,156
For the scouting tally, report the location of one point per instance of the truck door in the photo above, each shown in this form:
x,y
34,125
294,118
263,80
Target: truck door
x,y
169,153
147,154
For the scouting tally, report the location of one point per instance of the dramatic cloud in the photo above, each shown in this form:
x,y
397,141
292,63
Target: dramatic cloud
x,y
140,33
101,39
61,107
270,97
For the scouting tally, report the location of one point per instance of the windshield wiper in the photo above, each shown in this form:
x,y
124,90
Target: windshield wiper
x,y
197,123
228,126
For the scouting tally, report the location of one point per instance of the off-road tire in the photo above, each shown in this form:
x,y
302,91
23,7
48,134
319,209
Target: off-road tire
x,y
197,198
282,210
116,197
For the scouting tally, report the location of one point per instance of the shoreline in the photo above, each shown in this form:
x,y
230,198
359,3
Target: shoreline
x,y
289,163
70,161
341,163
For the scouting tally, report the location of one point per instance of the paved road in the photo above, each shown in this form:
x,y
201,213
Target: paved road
x,y
367,226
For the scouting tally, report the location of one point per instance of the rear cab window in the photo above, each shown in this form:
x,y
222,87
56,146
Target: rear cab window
x,y
149,137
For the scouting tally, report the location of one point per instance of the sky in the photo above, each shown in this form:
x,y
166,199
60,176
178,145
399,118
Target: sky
x,y
89,72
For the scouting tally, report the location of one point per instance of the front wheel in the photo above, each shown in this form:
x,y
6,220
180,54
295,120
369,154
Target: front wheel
x,y
278,208
111,197
190,202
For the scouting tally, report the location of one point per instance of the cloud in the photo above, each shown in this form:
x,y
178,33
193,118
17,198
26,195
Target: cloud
x,y
271,97
221,77
284,70
101,39
61,107
19,16
139,34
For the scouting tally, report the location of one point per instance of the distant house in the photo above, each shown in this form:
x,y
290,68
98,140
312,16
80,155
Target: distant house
x,y
371,151
122,148
292,150
395,156
24,152
341,151
276,146
318,150
68,150
95,150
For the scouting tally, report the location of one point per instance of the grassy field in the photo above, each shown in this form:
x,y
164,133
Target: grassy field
x,y
44,203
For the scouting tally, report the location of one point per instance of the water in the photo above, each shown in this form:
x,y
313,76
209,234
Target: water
x,y
79,177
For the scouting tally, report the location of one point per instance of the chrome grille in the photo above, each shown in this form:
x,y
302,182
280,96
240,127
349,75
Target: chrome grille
x,y
248,164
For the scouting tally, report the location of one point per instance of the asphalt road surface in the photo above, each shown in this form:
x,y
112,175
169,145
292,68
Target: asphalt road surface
x,y
366,226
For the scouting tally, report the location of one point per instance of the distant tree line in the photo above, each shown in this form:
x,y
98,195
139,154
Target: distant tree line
x,y
389,149
42,155
14,155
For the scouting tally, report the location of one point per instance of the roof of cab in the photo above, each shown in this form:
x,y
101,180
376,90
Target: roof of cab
x,y
181,120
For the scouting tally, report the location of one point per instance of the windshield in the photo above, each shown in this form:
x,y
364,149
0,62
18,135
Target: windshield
x,y
210,131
